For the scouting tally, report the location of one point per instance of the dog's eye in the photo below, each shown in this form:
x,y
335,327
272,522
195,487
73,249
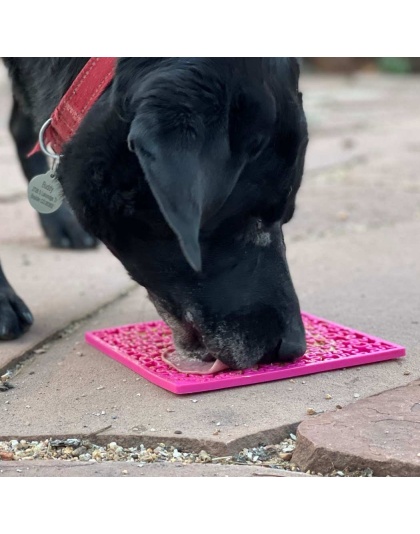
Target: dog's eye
x,y
145,153
139,149
256,145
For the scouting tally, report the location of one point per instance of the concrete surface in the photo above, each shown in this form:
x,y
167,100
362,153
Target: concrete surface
x,y
354,257
129,469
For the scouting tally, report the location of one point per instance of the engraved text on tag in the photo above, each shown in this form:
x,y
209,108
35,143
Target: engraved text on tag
x,y
45,193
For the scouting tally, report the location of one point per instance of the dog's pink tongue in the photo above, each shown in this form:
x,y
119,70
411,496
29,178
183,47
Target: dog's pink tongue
x,y
192,366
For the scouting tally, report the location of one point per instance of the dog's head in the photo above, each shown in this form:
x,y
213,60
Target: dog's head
x,y
186,169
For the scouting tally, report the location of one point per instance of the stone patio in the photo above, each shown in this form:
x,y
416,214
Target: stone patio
x,y
354,255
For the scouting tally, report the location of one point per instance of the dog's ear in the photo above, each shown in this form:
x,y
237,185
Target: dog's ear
x,y
190,183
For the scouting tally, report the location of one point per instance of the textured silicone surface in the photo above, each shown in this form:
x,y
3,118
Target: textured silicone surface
x,y
330,346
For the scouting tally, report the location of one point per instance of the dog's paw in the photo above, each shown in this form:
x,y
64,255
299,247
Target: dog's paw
x,y
15,317
64,231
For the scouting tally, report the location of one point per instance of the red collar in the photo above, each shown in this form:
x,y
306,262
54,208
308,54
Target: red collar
x,y
88,86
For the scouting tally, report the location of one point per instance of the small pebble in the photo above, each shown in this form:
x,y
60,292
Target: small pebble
x,y
204,457
100,387
177,432
310,411
342,215
348,143
194,400
328,396
340,473
367,472
406,373
73,442
79,451
356,395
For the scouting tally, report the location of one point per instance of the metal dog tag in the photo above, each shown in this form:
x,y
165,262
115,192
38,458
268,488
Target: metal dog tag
x,y
45,193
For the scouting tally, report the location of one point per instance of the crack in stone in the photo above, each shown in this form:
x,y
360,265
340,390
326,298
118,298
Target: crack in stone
x,y
30,354
399,420
377,411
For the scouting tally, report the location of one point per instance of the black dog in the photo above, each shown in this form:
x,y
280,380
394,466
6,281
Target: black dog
x,y
186,168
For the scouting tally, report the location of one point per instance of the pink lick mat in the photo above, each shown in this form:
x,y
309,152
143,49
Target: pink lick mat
x,y
329,346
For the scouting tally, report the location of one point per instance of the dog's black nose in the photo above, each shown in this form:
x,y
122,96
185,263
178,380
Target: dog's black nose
x,y
291,349
287,350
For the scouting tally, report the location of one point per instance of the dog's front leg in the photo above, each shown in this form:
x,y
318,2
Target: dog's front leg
x,y
15,317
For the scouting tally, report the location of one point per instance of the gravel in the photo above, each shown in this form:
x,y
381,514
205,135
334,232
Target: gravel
x,y
278,456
